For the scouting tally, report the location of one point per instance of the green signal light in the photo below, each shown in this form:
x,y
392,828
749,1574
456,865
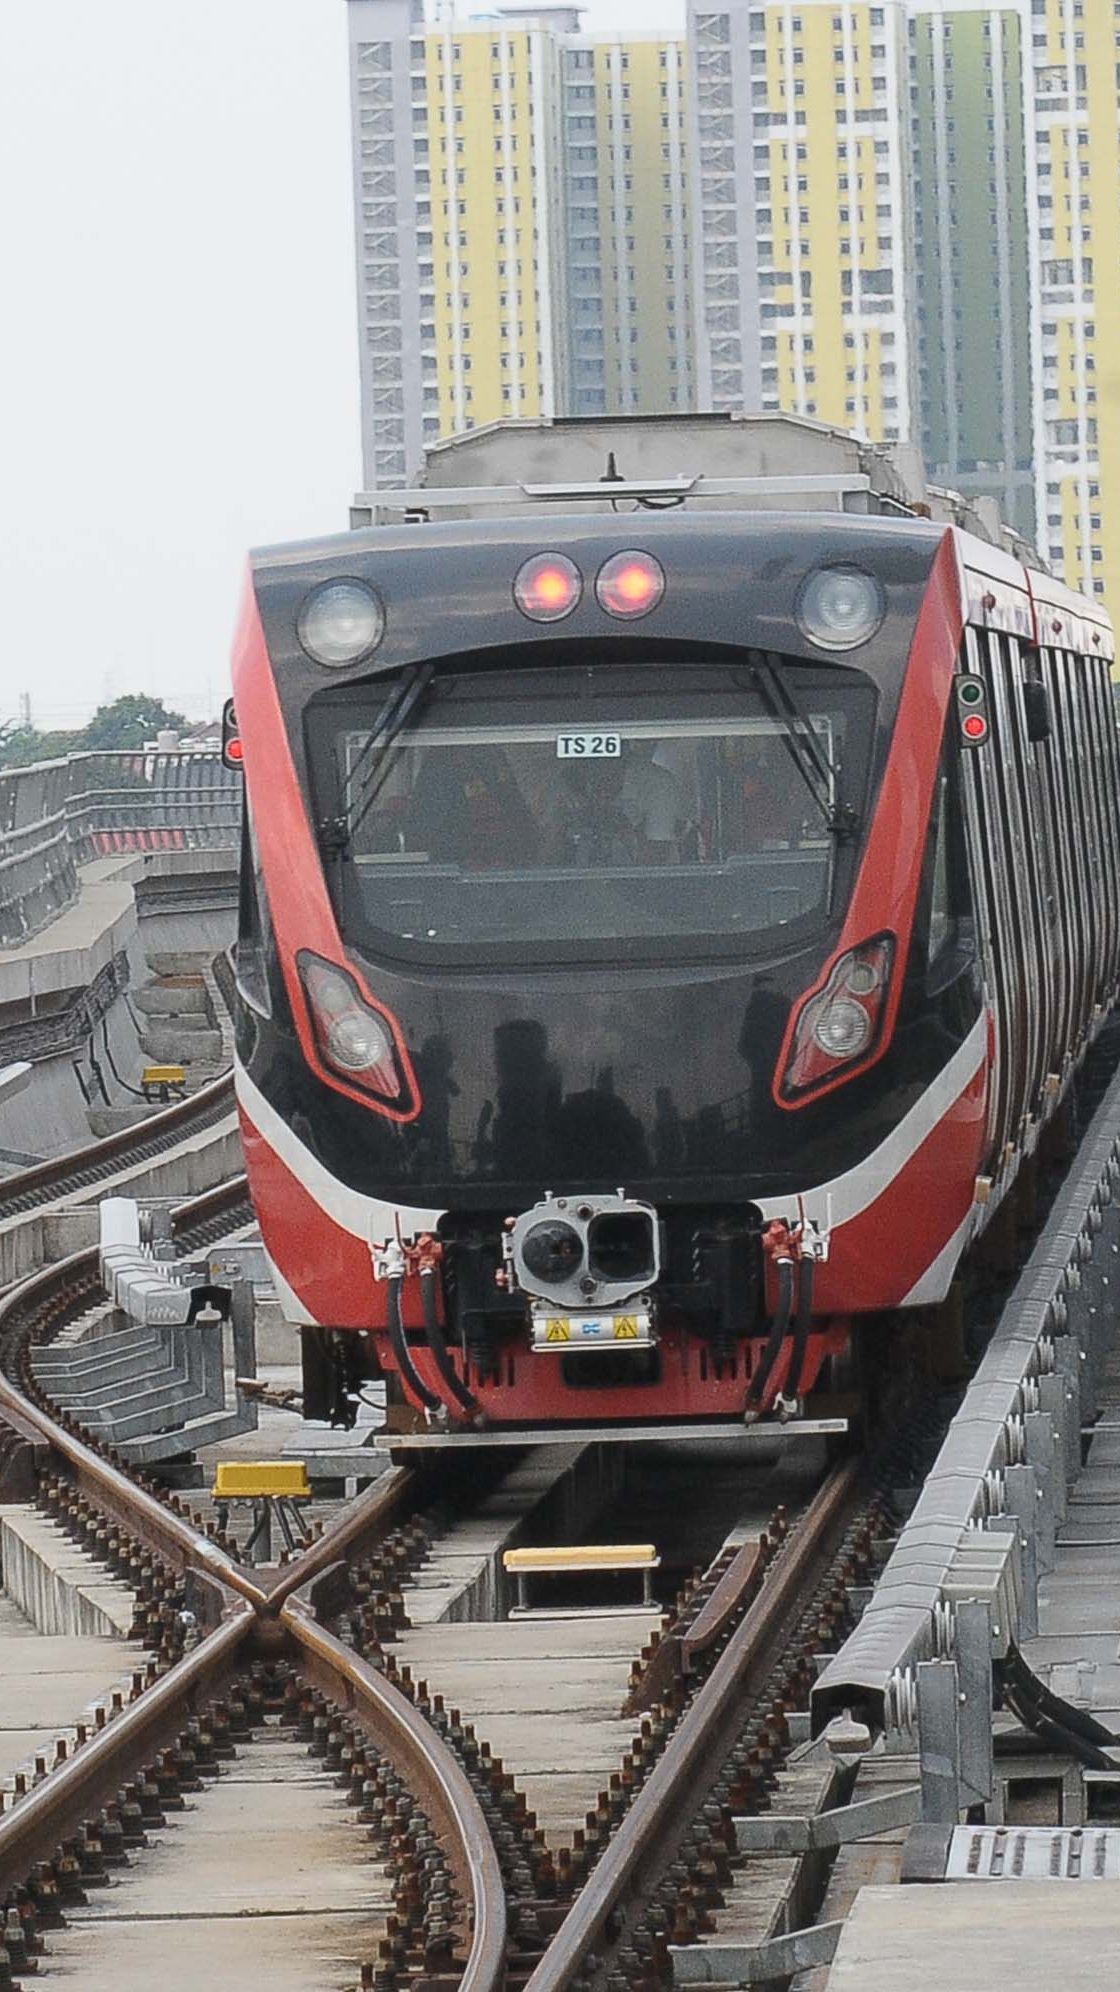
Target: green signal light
x,y
971,693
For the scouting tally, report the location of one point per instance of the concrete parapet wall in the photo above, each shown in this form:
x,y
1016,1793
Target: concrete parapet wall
x,y
55,1583
51,1115
71,951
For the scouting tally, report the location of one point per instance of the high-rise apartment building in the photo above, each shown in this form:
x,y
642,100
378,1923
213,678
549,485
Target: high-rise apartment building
x,y
1076,61
801,196
971,140
522,223
629,289
902,219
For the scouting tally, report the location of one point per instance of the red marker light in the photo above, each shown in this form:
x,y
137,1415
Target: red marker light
x,y
630,584
547,587
235,750
974,727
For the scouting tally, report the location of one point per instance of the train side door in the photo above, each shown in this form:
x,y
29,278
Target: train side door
x,y
993,846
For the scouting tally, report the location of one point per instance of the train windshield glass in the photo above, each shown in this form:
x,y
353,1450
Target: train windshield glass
x,y
587,807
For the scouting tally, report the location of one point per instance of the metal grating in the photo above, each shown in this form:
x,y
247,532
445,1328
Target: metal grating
x,y
1034,1853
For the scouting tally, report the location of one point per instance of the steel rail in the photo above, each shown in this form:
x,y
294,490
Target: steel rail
x,y
198,1210
364,1522
92,1777
432,1773
664,1801
249,1612
44,1182
173,1539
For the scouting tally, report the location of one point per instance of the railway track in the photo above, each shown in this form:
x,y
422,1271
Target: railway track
x,y
457,1799
481,1899
84,1167
245,1624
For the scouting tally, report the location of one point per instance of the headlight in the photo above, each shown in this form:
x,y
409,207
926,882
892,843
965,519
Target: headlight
x,y
843,1028
340,622
840,1023
839,608
352,1038
356,1043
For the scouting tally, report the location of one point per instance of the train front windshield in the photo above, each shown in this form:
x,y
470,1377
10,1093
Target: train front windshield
x,y
554,811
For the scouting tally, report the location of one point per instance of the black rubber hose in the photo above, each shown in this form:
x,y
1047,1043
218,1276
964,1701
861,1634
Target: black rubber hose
x,y
1026,1684
136,1092
435,1339
1066,1741
402,1353
807,1268
778,1331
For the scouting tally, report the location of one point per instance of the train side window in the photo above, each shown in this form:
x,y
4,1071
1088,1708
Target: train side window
x,y
1039,802
254,927
1098,716
940,912
1110,791
948,887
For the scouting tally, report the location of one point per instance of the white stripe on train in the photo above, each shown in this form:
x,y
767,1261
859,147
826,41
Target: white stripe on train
x,y
838,1202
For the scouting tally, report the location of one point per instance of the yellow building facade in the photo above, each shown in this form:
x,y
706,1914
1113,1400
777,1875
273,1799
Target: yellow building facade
x,y
559,260
803,282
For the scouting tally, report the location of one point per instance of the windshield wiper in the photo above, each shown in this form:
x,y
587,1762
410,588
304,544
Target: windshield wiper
x,y
818,771
337,833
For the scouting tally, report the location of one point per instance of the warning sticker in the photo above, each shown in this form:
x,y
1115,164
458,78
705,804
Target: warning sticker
x,y
551,1331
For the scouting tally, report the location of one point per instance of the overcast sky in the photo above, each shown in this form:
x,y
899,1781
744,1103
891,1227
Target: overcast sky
x,y
178,372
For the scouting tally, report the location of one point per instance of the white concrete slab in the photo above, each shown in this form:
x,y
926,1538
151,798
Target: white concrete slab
x,y
974,1936
265,1879
49,1684
55,1583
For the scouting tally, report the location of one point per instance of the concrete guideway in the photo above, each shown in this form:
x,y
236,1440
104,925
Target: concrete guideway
x,y
80,940
199,1161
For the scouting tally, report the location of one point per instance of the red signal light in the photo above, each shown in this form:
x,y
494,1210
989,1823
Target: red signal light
x,y
233,753
974,727
630,584
547,587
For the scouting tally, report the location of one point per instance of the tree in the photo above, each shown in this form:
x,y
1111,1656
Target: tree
x,y
128,722
21,746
